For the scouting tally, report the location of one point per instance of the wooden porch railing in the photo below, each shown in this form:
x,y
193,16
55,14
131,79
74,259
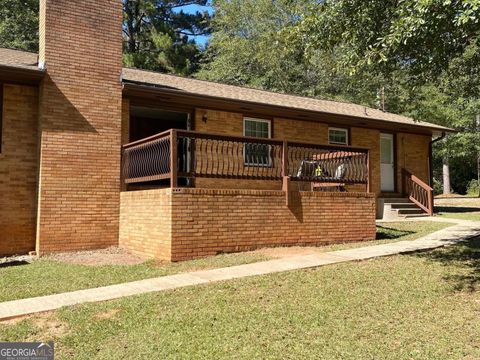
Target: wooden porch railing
x,y
190,154
418,192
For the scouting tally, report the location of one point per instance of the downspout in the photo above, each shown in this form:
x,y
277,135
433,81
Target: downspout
x,y
430,155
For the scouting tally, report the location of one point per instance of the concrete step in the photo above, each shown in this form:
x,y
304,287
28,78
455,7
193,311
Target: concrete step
x,y
413,211
416,216
409,205
396,201
401,207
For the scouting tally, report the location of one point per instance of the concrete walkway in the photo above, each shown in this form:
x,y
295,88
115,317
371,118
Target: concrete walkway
x,y
461,230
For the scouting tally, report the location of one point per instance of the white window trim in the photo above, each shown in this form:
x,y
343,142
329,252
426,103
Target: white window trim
x,y
338,129
269,122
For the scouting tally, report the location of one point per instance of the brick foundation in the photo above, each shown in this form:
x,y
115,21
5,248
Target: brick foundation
x,y
183,224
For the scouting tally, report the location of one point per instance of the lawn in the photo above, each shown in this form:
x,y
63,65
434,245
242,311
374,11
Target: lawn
x,y
464,208
417,306
45,276
459,213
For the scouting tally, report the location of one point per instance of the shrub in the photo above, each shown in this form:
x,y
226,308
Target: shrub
x,y
473,188
437,187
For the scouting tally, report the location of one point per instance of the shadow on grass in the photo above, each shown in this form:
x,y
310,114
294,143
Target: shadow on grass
x,y
456,209
386,233
13,263
466,256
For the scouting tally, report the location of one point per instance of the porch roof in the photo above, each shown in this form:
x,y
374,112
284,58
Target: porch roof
x,y
200,88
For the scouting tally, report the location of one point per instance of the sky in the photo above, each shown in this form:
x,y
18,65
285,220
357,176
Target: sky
x,y
201,40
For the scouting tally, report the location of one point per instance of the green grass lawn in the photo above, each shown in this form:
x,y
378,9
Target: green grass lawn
x,y
45,276
417,306
453,213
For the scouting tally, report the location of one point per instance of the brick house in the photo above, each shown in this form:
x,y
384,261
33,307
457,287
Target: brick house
x,y
94,155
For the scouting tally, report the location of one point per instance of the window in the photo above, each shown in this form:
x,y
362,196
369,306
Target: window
x,y
257,154
338,136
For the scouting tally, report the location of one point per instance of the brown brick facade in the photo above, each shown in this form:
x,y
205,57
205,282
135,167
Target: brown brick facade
x,y
207,222
412,155
146,222
80,116
18,169
60,185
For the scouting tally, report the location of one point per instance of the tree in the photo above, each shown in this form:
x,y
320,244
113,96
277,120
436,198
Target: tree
x,y
434,44
157,37
423,36
19,24
247,46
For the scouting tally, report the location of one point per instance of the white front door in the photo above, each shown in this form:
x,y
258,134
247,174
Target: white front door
x,y
387,162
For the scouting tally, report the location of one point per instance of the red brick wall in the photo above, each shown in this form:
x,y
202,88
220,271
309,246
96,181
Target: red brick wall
x,y
207,222
80,115
18,169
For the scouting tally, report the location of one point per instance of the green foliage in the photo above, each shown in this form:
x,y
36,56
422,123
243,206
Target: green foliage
x,y
247,47
159,38
473,188
437,187
422,35
19,24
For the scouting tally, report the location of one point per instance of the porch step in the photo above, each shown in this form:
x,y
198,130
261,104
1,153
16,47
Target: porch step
x,y
401,208
397,201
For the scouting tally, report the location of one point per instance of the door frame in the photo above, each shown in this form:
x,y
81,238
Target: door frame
x,y
395,162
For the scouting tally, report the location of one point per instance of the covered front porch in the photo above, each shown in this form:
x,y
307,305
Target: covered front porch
x,y
190,194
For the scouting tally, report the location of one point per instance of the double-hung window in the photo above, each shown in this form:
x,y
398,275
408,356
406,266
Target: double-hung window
x,y
257,154
338,136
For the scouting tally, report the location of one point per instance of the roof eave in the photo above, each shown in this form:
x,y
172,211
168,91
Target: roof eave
x,y
20,75
130,86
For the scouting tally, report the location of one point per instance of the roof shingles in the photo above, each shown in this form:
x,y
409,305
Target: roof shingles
x,y
27,60
18,59
230,92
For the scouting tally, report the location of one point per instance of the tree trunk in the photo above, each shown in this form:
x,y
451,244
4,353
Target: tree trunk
x,y
446,176
478,174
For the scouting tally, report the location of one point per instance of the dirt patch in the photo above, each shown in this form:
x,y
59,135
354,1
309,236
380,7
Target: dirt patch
x,y
49,325
107,314
109,256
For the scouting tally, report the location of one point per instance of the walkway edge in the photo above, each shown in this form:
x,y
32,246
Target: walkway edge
x,y
451,235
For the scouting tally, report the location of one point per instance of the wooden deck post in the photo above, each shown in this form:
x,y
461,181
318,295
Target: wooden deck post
x,y
369,175
430,202
173,159
285,158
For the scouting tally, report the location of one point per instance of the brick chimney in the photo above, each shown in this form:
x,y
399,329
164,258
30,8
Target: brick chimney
x,y
80,124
